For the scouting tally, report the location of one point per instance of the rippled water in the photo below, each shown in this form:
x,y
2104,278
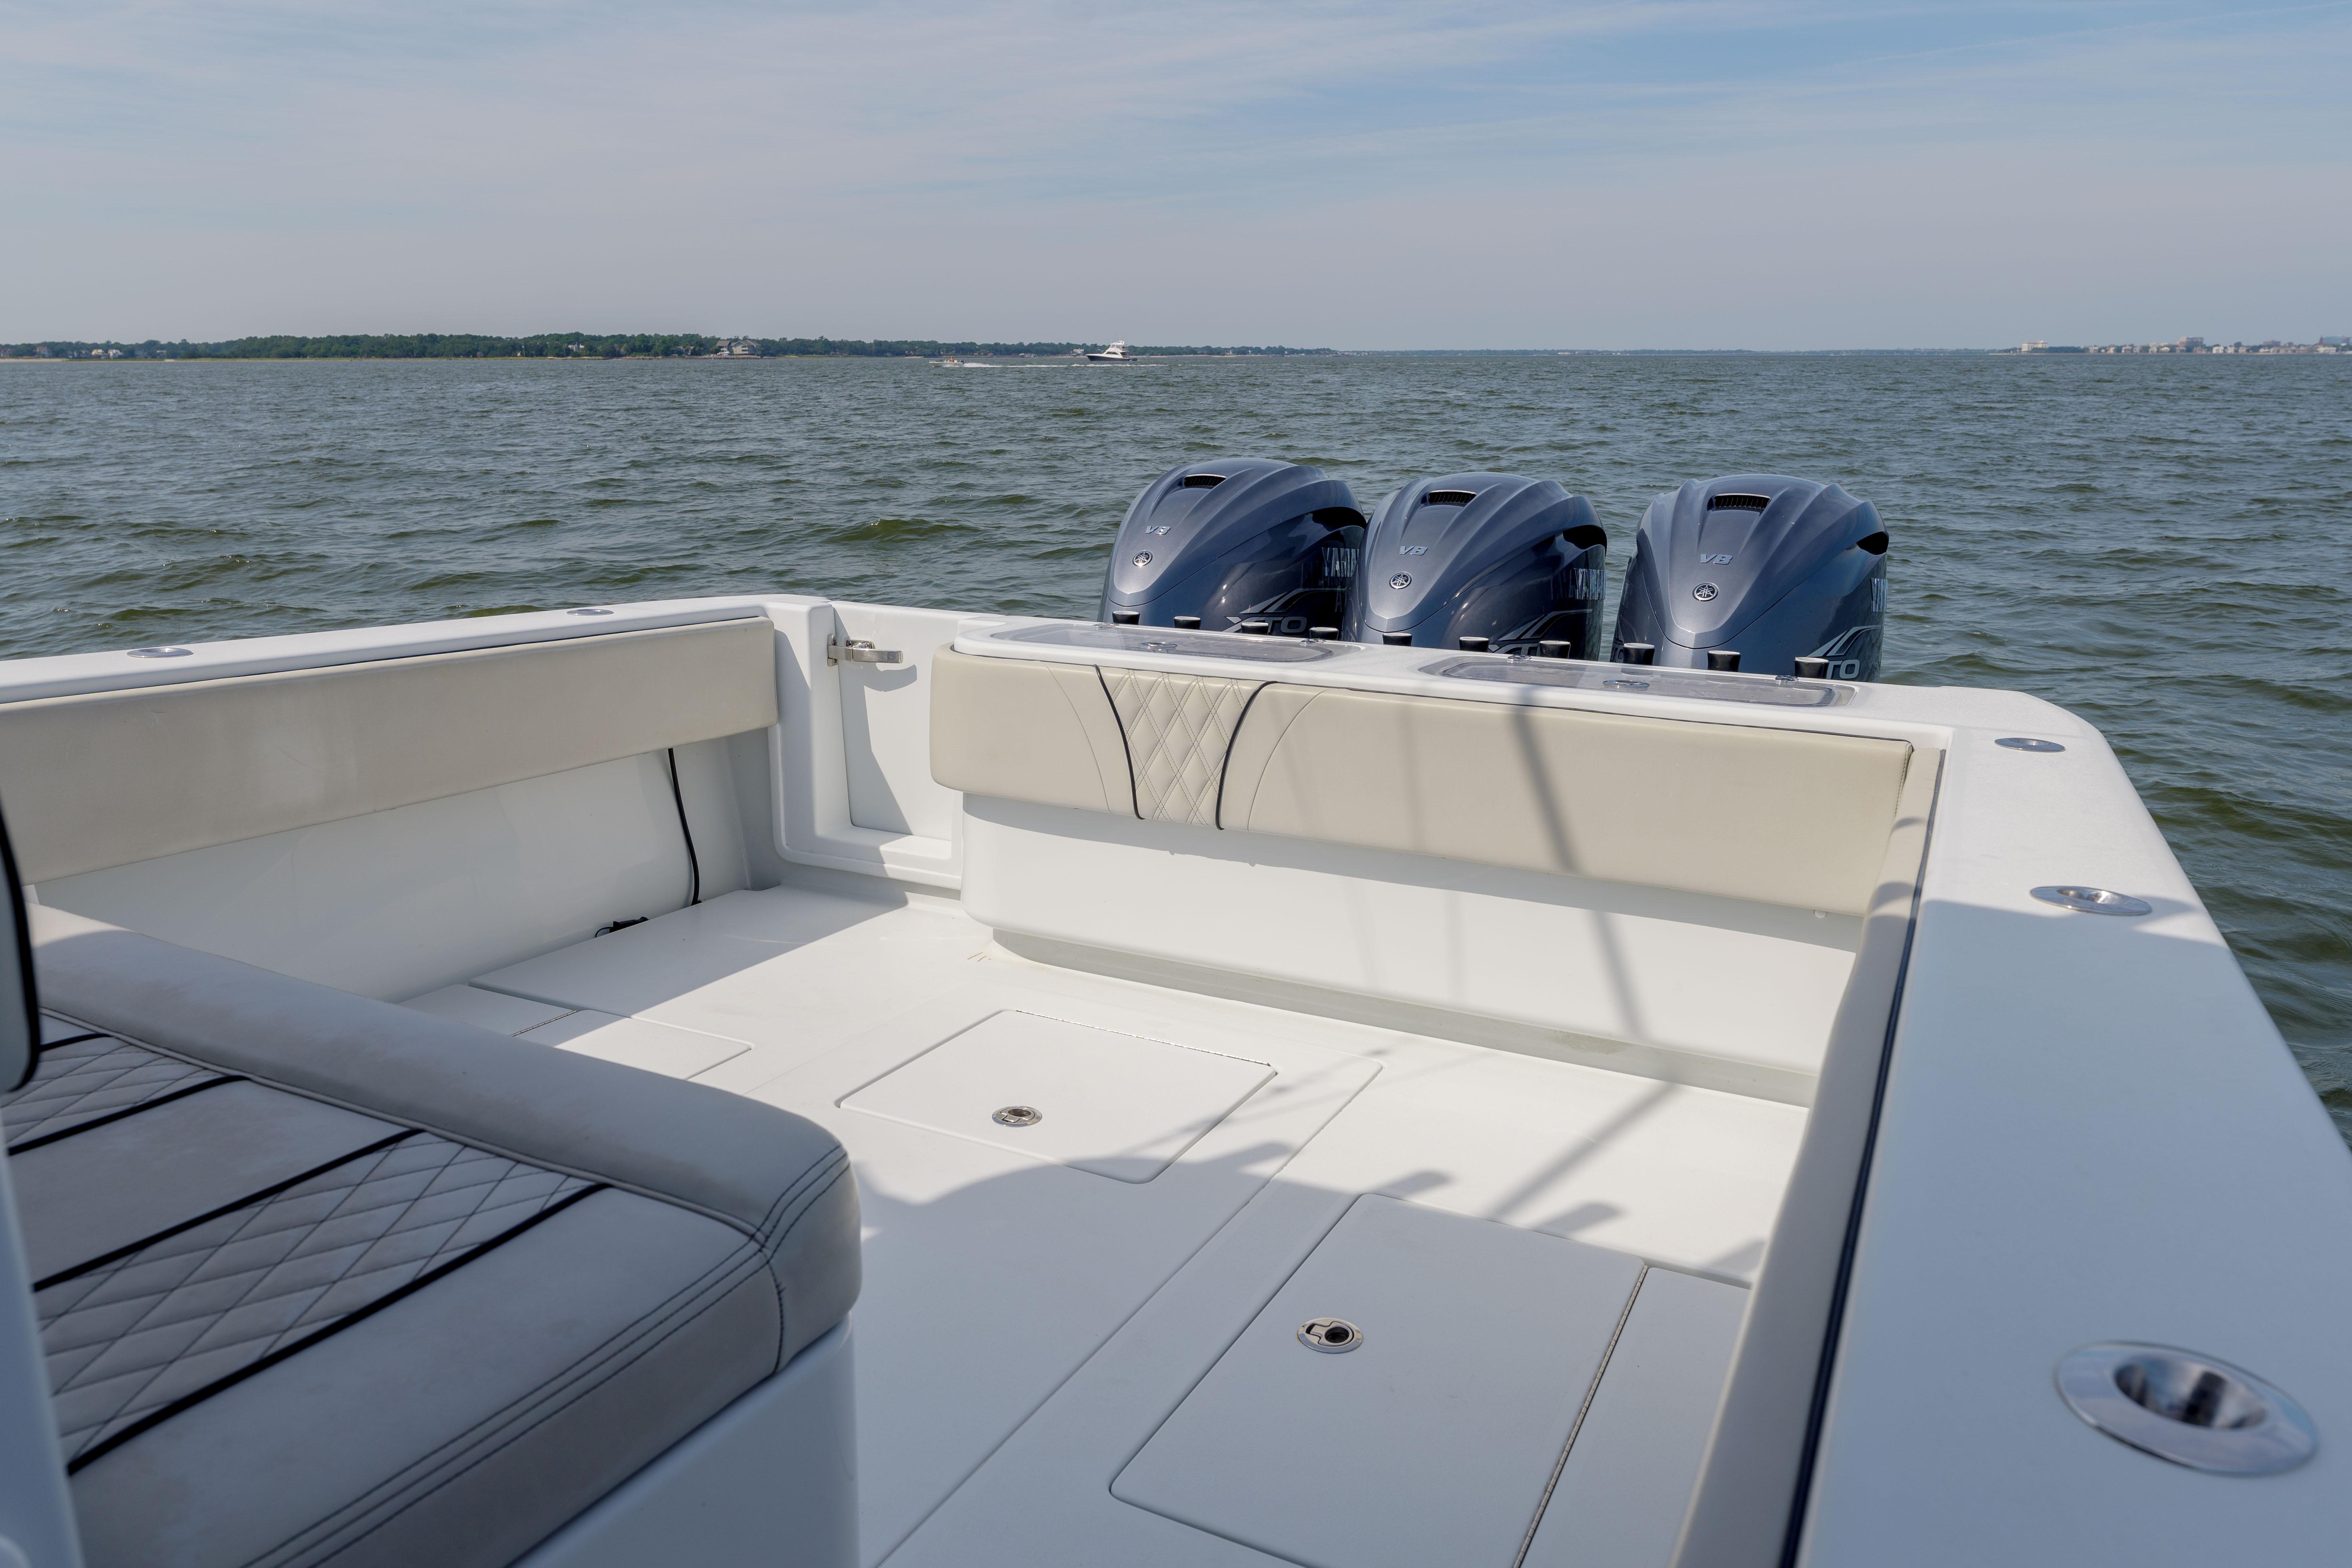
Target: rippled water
x,y
2158,544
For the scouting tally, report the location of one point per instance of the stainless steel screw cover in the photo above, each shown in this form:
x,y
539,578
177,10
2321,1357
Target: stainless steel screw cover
x,y
2189,1408
162,652
2093,901
1332,1336
1019,1116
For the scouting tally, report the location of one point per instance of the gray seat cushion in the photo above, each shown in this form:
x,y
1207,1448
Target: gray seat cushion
x,y
443,1289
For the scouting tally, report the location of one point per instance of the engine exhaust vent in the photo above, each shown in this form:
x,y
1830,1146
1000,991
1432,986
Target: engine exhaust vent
x,y
1203,482
1449,498
1735,502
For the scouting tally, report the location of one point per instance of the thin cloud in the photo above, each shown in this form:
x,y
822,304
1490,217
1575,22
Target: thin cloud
x,y
205,161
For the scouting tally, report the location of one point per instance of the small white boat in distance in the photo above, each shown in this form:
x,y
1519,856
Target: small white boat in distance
x,y
1115,354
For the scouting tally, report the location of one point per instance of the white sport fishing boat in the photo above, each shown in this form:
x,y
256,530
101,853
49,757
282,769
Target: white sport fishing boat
x,y
1116,354
768,1079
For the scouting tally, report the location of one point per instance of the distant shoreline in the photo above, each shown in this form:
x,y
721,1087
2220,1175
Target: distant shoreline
x,y
587,346
1134,359
63,352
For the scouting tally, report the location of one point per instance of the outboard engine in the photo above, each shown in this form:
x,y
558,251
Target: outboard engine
x,y
1517,562
1754,572
1242,541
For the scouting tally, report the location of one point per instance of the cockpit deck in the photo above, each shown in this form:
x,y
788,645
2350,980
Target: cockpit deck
x,y
1039,1300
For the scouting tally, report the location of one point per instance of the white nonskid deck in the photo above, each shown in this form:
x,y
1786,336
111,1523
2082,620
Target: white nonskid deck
x,y
1027,1324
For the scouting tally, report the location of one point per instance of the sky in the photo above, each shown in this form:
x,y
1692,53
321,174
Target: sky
x,y
1352,173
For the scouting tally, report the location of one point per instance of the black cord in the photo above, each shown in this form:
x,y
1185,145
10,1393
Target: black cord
x,y
694,863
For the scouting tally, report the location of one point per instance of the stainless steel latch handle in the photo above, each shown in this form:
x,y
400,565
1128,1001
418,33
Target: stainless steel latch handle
x,y
859,652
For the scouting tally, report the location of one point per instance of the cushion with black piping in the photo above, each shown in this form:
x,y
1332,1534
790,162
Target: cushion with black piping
x,y
442,1289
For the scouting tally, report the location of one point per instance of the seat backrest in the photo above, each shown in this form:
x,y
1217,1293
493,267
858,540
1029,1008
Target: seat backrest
x,y
109,778
37,1523
1776,817
1026,730
1793,818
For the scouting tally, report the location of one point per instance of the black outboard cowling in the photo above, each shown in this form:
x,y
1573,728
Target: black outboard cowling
x,y
1519,561
1246,539
1771,568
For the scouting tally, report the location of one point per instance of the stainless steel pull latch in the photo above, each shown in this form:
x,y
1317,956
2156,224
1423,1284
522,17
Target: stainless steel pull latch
x,y
859,652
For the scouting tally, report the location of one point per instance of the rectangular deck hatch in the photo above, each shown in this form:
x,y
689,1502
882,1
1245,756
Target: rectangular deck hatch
x,y
1433,1439
1118,1105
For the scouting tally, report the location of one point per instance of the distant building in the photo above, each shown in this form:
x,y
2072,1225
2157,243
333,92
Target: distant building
x,y
2033,345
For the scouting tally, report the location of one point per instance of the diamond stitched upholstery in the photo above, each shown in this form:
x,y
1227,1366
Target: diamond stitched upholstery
x,y
78,1082
1178,729
126,1340
56,1030
400,1290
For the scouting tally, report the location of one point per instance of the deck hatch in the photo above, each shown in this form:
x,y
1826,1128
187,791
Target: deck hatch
x,y
1434,1442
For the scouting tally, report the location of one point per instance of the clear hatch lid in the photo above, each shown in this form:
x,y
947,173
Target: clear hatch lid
x,y
1649,681
1168,639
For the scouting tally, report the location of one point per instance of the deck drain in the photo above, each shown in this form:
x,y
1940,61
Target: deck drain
x,y
1330,1335
2093,900
2028,743
2188,1408
1019,1116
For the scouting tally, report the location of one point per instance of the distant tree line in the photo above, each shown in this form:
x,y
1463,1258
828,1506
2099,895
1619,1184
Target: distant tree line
x,y
564,346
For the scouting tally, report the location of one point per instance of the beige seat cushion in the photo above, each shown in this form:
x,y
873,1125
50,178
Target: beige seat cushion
x,y
1179,728
1777,816
1028,729
112,777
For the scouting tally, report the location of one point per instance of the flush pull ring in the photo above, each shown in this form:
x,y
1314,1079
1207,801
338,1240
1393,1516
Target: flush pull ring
x,y
1332,1336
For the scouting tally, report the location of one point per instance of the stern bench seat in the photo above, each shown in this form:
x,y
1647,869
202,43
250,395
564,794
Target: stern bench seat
x,y
1792,817
1677,897
323,1280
